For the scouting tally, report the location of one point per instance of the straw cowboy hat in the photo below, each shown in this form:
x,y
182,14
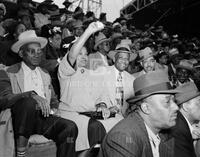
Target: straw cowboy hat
x,y
188,92
145,54
185,64
100,38
155,82
28,37
123,47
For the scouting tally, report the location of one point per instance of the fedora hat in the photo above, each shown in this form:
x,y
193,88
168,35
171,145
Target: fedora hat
x,y
145,54
100,38
185,64
155,82
123,47
28,37
188,92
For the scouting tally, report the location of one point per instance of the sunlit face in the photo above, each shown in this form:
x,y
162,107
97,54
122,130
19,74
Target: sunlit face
x,y
82,59
32,54
122,61
149,64
194,108
182,75
56,41
162,110
19,29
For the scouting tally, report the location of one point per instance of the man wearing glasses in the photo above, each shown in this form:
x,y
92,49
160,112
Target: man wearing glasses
x,y
31,101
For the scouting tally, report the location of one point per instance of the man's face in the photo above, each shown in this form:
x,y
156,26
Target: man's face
x,y
162,110
149,64
122,61
182,75
33,54
194,109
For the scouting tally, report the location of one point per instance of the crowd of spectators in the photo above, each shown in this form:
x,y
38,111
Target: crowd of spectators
x,y
151,47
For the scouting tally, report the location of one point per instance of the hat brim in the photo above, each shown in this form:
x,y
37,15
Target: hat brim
x,y
184,67
140,97
112,54
186,97
16,46
101,41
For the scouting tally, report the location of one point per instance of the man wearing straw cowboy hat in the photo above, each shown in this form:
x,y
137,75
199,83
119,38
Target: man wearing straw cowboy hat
x,y
142,133
187,129
102,47
32,100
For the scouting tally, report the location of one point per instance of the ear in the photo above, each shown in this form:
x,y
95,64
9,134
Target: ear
x,y
145,107
186,106
20,53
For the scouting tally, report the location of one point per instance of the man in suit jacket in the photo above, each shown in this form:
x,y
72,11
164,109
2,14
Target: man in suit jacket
x,y
121,56
184,131
144,133
29,93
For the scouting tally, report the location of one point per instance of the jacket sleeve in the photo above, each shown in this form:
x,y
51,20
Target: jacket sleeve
x,y
7,98
119,145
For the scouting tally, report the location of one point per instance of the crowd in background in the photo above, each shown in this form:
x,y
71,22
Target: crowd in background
x,y
152,47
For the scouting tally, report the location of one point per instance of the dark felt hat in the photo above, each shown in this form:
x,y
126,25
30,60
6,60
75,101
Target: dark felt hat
x,y
188,92
156,82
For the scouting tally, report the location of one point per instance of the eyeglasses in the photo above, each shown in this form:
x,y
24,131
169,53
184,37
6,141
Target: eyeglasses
x,y
34,52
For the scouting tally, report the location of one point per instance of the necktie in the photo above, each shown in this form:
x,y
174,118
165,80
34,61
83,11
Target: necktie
x,y
119,91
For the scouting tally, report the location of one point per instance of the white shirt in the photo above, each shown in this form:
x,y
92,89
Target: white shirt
x,y
33,80
154,141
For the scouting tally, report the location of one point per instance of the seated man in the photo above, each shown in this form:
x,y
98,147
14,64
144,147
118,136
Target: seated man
x,y
147,62
28,94
184,72
144,132
186,132
84,90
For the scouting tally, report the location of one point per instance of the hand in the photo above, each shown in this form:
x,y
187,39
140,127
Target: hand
x,y
196,132
105,113
42,104
114,109
95,26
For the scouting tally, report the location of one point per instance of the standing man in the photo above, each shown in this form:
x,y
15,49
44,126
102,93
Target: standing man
x,y
102,46
141,134
185,131
29,93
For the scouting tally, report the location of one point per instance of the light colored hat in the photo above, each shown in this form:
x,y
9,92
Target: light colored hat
x,y
28,37
2,6
100,39
155,82
173,51
185,64
188,92
145,54
123,47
